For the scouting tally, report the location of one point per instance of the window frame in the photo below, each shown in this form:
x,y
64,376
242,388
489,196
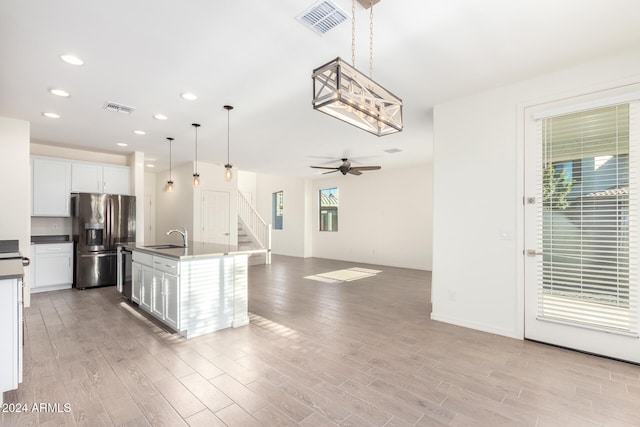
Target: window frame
x,y
327,214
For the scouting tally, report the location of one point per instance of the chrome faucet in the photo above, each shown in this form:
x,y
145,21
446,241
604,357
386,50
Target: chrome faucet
x,y
183,233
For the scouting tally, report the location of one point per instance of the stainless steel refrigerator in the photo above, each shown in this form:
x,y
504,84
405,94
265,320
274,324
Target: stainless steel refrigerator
x,y
100,223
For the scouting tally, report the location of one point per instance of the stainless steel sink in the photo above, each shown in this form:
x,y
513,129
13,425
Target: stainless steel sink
x,y
163,246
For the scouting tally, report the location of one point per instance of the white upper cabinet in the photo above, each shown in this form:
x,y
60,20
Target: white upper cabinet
x,y
117,180
86,178
51,186
97,178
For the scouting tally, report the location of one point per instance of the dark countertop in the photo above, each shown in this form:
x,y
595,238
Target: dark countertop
x,y
193,250
57,238
11,269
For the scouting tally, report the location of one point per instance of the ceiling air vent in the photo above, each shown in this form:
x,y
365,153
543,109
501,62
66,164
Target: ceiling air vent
x,y
119,108
323,16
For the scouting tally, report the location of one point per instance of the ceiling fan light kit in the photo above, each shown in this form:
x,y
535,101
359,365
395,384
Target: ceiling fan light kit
x,y
341,91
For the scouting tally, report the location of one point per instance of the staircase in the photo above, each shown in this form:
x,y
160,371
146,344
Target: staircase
x,y
253,232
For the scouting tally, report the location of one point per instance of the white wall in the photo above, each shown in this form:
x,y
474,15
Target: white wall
x,y
15,191
478,175
384,217
174,209
41,148
295,231
247,185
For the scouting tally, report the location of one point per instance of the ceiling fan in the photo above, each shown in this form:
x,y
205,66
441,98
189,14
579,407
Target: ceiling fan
x,y
346,168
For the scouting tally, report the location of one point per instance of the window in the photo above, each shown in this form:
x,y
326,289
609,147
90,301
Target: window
x,y
329,209
589,259
277,210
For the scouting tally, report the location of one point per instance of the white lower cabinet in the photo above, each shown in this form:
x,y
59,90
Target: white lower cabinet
x,y
157,298
10,334
52,266
171,291
136,281
156,286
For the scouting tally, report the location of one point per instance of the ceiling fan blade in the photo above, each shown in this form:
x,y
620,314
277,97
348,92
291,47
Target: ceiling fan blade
x,y
354,171
324,173
322,167
366,168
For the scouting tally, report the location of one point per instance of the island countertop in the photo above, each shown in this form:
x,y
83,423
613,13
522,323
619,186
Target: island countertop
x,y
193,249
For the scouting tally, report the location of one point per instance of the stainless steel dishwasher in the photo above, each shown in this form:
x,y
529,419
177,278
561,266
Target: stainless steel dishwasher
x,y
124,272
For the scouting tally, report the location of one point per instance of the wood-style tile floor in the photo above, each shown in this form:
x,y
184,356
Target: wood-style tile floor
x,y
360,353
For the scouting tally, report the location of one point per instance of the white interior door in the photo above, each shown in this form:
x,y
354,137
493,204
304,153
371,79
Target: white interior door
x,y
215,217
581,236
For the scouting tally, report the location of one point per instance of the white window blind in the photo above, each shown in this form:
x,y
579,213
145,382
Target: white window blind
x,y
587,224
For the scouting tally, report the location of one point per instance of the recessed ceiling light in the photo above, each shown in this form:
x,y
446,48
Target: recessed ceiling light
x,y
392,150
189,96
72,59
151,159
59,92
139,132
122,144
160,117
51,115
149,165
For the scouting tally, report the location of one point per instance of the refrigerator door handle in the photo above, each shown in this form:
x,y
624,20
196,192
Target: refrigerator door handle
x,y
100,255
109,209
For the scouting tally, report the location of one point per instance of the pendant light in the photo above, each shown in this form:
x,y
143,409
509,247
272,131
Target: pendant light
x,y
196,175
170,182
345,93
228,166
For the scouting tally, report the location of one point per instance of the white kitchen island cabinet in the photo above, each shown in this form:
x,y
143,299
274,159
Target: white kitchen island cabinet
x,y
193,290
11,339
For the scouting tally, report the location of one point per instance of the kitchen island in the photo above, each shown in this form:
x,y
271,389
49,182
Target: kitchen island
x,y
194,290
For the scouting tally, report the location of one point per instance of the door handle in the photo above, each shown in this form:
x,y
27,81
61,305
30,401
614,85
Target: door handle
x,y
533,252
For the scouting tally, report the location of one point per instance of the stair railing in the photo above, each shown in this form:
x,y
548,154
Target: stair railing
x,y
256,227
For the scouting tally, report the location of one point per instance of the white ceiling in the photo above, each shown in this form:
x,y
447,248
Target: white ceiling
x,y
254,55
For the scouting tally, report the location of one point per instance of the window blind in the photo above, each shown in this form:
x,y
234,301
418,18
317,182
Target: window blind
x,y
587,224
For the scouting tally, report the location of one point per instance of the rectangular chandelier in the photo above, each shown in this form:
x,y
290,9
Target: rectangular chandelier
x,y
343,92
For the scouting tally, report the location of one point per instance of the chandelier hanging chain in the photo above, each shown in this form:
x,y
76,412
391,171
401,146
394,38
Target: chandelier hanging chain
x,y
371,39
228,133
353,33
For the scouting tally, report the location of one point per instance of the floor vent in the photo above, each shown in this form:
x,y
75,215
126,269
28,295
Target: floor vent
x,y
119,108
323,16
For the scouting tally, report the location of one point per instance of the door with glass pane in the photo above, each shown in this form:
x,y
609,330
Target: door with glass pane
x,y
581,236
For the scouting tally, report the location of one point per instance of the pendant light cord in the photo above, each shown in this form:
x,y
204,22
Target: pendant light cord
x,y
196,171
170,141
228,132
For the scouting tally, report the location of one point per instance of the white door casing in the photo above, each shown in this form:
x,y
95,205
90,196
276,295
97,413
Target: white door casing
x,y
577,335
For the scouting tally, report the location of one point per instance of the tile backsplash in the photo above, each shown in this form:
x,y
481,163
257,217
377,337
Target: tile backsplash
x,y
44,226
